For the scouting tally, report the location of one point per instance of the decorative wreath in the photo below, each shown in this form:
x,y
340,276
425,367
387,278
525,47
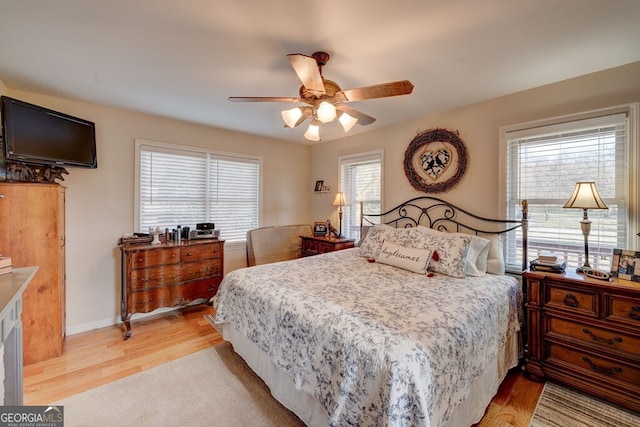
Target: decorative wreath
x,y
435,160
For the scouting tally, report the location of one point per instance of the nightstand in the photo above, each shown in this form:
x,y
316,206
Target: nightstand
x,y
584,333
314,245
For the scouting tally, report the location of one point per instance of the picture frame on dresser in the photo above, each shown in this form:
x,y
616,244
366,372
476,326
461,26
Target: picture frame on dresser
x,y
625,264
320,228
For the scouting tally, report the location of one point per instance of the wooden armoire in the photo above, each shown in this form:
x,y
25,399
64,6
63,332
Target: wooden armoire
x,y
32,233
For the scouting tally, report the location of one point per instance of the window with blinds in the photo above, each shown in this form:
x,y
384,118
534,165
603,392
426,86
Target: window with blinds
x,y
360,180
543,164
185,186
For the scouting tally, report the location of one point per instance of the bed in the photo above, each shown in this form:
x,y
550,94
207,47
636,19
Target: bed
x,y
417,326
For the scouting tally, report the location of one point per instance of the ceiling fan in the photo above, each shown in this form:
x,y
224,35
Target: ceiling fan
x,y
324,98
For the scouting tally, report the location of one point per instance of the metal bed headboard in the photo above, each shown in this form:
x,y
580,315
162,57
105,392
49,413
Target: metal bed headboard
x,y
440,215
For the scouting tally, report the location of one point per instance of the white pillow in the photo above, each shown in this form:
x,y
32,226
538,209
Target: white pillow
x,y
476,259
495,260
412,259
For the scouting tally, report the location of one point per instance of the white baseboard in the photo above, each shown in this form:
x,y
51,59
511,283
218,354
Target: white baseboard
x,y
85,327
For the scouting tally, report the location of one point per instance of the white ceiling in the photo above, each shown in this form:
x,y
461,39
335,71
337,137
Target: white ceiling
x,y
184,58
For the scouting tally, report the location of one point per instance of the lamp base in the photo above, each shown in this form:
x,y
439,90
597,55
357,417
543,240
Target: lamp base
x,y
583,268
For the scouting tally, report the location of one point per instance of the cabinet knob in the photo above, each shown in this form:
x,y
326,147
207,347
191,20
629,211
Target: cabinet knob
x,y
1,196
139,259
188,253
174,255
571,300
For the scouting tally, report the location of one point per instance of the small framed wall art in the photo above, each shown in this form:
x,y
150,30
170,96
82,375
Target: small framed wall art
x,y
435,160
319,185
626,264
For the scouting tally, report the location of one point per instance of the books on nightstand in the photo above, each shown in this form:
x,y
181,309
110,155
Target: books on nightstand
x,y
5,265
548,263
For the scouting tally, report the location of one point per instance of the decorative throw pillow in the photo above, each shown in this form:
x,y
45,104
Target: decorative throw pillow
x,y
412,259
372,242
476,259
449,251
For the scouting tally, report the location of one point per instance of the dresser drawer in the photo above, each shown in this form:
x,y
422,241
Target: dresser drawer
x,y
172,296
149,258
594,366
199,252
622,309
200,269
599,336
153,277
571,299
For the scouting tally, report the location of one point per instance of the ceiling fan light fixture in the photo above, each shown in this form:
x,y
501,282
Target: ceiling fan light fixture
x,y
347,121
326,112
291,117
313,132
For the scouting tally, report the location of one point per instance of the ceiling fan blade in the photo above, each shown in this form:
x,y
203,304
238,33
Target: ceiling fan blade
x,y
264,99
363,119
402,87
308,72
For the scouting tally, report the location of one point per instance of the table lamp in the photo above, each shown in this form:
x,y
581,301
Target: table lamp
x,y
585,196
339,201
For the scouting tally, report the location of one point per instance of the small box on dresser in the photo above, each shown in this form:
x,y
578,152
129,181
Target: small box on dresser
x,y
584,333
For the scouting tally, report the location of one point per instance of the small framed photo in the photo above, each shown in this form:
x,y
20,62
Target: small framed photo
x,y
626,264
319,185
320,229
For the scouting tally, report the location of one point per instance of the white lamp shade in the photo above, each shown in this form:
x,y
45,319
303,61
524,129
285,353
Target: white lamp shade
x,y
585,196
326,112
339,200
347,121
291,116
313,133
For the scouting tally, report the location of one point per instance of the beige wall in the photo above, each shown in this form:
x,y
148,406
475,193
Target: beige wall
x,y
100,205
100,201
479,126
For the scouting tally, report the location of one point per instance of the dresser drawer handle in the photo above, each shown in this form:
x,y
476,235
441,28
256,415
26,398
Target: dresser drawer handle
x,y
570,300
173,255
612,341
632,314
599,369
188,253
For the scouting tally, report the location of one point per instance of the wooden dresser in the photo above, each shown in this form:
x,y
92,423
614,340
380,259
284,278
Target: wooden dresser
x,y
312,245
32,233
169,275
585,333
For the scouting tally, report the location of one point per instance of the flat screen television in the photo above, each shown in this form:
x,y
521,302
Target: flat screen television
x,y
37,135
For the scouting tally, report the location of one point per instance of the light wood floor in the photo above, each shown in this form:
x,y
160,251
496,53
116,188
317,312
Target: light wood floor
x,y
97,357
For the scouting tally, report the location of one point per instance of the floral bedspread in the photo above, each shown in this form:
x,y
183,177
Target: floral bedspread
x,y
375,344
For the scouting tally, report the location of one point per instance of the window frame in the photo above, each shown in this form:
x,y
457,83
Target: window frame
x,y
355,204
633,155
186,149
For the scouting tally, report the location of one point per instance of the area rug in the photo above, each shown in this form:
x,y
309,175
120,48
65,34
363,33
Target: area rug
x,y
213,387
561,406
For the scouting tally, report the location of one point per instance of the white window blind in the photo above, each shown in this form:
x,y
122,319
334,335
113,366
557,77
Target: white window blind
x,y
543,164
360,180
185,186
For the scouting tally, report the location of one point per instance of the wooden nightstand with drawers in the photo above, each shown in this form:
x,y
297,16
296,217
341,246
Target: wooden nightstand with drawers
x,y
314,245
584,333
